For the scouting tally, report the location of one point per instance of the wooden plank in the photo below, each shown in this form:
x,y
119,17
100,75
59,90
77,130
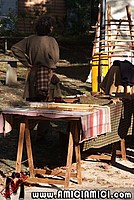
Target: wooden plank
x,y
36,180
69,161
117,45
63,106
29,149
129,22
118,50
115,29
78,163
123,149
55,172
109,35
96,31
99,157
51,105
40,171
121,20
117,55
20,147
117,34
115,40
113,157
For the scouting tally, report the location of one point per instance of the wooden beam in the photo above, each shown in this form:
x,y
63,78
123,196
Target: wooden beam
x,y
130,22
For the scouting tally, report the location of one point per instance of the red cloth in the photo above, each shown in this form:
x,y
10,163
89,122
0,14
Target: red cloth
x,y
96,123
93,123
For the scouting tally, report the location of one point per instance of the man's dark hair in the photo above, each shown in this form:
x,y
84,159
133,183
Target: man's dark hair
x,y
43,25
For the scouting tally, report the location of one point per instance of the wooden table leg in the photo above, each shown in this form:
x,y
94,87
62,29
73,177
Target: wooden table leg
x,y
73,142
29,149
113,157
20,147
77,153
78,163
69,161
123,149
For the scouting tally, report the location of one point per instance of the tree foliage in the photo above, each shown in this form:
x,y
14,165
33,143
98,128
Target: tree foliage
x,y
81,15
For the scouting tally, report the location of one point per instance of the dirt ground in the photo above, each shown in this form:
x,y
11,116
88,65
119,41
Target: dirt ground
x,y
96,173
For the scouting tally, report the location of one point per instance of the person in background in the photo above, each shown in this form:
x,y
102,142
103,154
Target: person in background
x,y
40,54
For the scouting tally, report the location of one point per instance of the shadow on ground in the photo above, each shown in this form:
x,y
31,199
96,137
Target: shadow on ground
x,y
48,150
79,72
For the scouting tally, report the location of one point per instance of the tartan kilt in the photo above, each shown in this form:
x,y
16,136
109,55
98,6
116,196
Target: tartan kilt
x,y
43,79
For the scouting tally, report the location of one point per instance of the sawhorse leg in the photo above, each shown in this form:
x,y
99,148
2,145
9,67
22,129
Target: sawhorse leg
x,y
20,147
69,160
24,129
73,142
29,149
123,149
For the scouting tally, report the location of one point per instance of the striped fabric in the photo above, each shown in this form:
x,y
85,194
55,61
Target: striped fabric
x,y
96,123
116,111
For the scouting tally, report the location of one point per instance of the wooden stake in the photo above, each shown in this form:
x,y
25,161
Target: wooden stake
x,y
130,22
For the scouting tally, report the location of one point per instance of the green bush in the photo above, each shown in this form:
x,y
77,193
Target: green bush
x,y
81,15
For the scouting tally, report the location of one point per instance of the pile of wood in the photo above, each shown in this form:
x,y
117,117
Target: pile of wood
x,y
62,106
